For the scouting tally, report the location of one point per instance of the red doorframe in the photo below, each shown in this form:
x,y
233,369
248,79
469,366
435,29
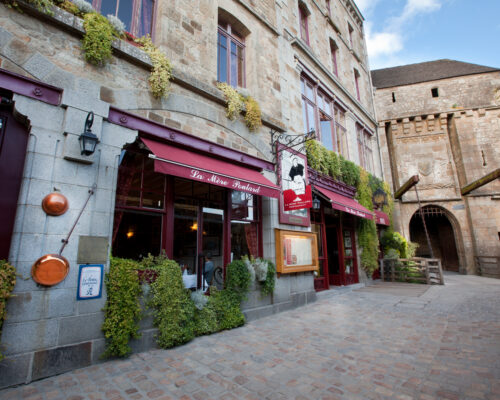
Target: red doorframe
x,y
321,283
13,143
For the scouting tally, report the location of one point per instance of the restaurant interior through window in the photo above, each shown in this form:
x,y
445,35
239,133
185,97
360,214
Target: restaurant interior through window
x,y
199,225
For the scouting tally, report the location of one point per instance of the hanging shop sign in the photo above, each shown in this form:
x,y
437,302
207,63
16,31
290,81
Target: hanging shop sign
x,y
90,281
296,196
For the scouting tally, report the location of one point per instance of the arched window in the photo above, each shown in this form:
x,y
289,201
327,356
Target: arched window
x,y
137,15
231,50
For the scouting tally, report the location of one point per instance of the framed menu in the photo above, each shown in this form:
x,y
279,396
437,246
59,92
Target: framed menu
x,y
296,251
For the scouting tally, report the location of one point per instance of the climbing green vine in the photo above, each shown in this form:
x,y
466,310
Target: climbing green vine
x,y
122,311
7,282
161,74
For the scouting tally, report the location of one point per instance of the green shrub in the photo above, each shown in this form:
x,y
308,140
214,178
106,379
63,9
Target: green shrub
x,y
7,283
350,172
267,286
238,279
233,98
96,42
205,320
227,307
122,311
173,309
253,115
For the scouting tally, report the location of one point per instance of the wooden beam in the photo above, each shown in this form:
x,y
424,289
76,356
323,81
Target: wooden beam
x,y
481,182
406,186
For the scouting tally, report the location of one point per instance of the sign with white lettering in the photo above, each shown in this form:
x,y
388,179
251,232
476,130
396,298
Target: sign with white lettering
x,y
90,281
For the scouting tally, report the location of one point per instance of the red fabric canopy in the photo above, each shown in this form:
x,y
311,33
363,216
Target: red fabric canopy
x,y
203,168
345,204
381,218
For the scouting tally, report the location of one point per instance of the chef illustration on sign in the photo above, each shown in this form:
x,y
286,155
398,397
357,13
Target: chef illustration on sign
x,y
296,174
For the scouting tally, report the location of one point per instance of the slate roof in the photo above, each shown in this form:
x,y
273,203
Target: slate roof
x,y
425,72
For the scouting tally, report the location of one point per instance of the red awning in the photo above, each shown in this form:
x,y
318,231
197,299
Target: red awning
x,y
203,168
345,204
381,218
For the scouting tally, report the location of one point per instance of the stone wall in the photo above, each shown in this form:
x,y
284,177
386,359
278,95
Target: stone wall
x,y
449,141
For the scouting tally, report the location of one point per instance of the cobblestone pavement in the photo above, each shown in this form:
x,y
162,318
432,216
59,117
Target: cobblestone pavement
x,y
373,343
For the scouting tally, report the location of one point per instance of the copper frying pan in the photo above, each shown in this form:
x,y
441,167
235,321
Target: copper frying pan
x,y
52,269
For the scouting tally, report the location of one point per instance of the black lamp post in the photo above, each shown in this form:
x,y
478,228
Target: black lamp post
x,y
88,141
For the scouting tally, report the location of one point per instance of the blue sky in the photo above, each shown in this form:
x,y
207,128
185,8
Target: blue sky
x,y
403,32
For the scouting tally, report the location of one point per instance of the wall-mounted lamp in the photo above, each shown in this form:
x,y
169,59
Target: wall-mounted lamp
x,y
88,141
316,203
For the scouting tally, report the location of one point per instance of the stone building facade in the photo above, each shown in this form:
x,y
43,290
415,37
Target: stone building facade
x,y
48,90
441,120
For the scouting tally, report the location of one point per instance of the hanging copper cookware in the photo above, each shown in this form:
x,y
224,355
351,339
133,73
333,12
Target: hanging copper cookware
x,y
55,204
51,269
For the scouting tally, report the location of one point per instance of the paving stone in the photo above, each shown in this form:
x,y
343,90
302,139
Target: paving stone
x,y
354,345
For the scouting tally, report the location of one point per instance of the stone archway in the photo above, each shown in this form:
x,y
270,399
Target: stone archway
x,y
442,236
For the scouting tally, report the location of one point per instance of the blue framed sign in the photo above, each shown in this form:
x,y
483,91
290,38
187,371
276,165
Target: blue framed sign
x,y
90,281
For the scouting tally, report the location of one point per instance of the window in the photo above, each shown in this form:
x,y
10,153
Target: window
x,y
356,83
393,97
328,8
365,148
351,30
334,50
137,15
230,55
245,225
304,29
323,116
435,92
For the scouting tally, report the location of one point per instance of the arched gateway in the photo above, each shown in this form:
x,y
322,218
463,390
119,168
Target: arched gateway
x,y
442,235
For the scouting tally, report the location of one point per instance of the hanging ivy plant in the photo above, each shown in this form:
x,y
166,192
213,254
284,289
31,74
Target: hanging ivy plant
x,y
233,98
161,74
96,42
253,115
7,282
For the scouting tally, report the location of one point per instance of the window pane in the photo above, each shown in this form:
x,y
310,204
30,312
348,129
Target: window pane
x,y
304,115
109,7
222,58
326,132
137,235
310,117
244,239
145,17
302,87
309,92
234,65
125,11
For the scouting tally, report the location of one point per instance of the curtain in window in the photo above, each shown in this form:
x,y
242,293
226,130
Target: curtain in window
x,y
145,18
252,239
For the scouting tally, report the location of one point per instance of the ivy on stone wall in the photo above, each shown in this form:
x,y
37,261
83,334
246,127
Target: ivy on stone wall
x,y
330,163
235,104
7,282
161,74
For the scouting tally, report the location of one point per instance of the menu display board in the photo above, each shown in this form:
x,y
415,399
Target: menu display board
x,y
296,251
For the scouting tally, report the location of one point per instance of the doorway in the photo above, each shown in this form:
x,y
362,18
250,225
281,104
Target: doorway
x,y
441,236
13,143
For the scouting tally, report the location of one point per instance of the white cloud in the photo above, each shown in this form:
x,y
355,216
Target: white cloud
x,y
383,46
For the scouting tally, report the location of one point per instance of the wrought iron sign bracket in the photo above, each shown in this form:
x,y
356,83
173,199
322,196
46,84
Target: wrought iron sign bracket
x,y
296,142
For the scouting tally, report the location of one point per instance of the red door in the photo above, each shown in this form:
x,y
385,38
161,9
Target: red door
x,y
13,142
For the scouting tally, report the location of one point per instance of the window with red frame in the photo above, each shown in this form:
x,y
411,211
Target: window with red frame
x,y
230,56
137,15
365,148
356,83
328,8
334,50
304,28
323,116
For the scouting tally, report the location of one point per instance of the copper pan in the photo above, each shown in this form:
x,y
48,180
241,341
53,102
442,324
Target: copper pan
x,y
55,204
51,269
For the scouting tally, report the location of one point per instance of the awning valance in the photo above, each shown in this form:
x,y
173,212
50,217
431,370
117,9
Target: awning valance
x,y
345,204
381,218
183,163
